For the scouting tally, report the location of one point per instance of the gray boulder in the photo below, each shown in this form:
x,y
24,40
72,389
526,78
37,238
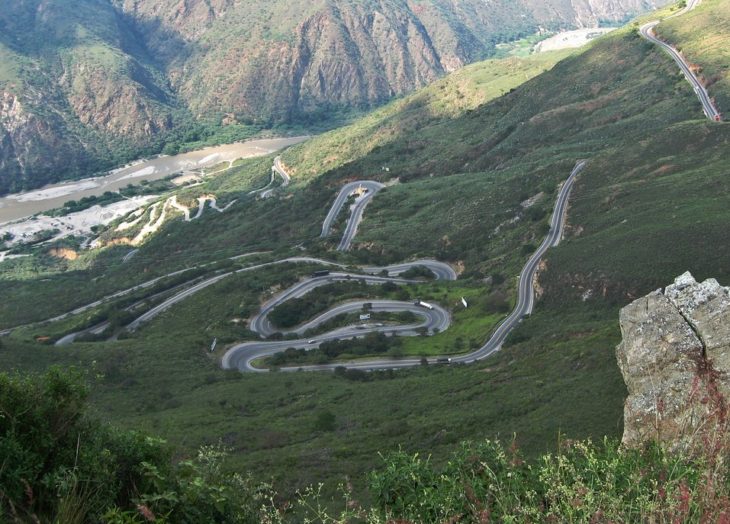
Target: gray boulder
x,y
675,360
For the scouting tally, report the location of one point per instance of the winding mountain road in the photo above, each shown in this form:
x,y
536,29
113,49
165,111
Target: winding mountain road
x,y
647,31
368,189
242,356
435,318
438,268
276,169
261,324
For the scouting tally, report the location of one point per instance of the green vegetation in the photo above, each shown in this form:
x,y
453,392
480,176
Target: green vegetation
x,y
328,351
580,482
522,48
560,377
61,465
701,35
650,205
298,310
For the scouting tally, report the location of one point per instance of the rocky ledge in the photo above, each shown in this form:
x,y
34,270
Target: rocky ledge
x,y
675,360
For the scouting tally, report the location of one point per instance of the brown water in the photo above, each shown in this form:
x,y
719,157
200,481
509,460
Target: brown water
x,y
20,205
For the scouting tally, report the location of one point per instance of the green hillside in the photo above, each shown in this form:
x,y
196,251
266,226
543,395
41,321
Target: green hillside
x,y
701,36
463,155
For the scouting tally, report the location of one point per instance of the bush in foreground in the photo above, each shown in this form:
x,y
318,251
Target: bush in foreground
x,y
59,465
583,482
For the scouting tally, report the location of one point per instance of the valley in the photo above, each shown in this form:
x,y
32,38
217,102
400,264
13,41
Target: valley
x,y
21,205
114,80
448,267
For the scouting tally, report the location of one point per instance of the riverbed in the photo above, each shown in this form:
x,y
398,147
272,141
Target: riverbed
x,y
21,205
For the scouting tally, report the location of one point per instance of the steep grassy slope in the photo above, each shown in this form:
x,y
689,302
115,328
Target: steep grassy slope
x,y
275,225
651,204
702,37
77,91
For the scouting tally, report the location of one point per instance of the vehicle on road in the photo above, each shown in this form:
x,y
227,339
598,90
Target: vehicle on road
x,y
311,341
443,360
321,273
421,303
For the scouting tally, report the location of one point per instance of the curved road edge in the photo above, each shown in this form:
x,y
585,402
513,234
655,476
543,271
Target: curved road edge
x,y
234,357
648,33
243,355
441,270
371,188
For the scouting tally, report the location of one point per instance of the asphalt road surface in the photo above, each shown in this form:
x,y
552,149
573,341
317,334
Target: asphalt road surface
x,y
371,188
242,356
439,269
262,325
276,169
647,31
435,318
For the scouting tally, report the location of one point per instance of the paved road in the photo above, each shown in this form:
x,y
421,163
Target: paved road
x,y
261,324
124,292
440,269
358,207
276,169
526,292
241,356
129,256
647,31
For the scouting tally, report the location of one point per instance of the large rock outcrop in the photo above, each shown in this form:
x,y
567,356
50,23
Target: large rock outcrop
x,y
675,360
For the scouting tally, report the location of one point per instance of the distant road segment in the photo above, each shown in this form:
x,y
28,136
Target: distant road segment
x,y
440,270
526,291
276,169
368,189
242,356
647,31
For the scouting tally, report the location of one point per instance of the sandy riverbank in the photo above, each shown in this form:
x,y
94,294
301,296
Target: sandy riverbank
x,y
21,205
572,39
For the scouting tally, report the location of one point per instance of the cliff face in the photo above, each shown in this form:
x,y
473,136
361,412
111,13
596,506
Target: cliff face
x,y
675,359
76,88
276,60
33,147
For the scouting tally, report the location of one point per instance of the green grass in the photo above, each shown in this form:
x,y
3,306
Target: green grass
x,y
702,36
521,48
533,390
651,204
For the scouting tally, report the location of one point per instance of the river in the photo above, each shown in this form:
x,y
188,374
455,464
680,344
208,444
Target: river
x,y
21,205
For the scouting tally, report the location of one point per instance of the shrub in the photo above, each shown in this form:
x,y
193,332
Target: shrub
x,y
59,465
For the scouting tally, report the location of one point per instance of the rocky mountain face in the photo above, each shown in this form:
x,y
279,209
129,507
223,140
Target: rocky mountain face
x,y
675,359
76,90
277,59
88,83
